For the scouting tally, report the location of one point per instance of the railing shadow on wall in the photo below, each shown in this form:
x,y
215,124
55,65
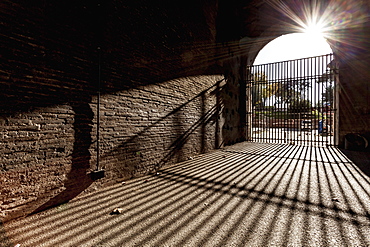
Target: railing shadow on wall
x,y
129,154
239,195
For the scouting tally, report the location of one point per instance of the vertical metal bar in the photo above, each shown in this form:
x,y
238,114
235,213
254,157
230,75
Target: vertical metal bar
x,y
281,87
265,110
271,113
255,116
248,103
276,78
276,88
279,105
299,78
98,113
297,122
273,88
258,89
327,108
251,118
286,79
252,92
324,116
320,98
330,112
298,115
304,117
283,103
268,108
336,100
323,138
296,80
257,106
320,116
270,71
255,85
312,96
302,114
315,97
304,111
270,85
261,108
326,113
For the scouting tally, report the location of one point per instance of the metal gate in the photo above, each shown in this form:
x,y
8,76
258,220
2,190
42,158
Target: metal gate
x,y
293,102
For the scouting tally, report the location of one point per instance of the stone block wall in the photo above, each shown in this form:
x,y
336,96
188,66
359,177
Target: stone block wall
x,y
354,99
47,72
145,128
38,149
47,153
160,97
157,66
234,100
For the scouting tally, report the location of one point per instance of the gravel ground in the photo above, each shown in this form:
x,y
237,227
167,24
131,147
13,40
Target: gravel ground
x,y
244,195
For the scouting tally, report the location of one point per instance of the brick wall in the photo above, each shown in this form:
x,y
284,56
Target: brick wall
x,y
48,152
36,149
234,99
162,97
145,128
160,100
46,76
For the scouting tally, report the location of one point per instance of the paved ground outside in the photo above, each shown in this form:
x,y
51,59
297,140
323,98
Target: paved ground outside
x,y
248,194
292,136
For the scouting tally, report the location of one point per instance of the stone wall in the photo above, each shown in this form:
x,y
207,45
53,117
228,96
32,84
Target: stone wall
x,y
234,101
160,99
48,153
158,69
145,128
47,72
354,98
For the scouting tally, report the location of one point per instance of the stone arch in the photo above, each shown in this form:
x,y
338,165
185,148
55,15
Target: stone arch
x,y
257,23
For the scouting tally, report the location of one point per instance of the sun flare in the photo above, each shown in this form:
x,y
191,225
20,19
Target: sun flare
x,y
314,29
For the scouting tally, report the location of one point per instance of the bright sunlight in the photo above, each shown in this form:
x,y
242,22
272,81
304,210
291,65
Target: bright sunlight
x,y
309,42
293,46
308,39
314,30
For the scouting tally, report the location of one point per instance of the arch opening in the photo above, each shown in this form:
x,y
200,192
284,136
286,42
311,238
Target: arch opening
x,y
292,88
293,46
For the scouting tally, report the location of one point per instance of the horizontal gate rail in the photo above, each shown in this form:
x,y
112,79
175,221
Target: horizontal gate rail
x,y
293,101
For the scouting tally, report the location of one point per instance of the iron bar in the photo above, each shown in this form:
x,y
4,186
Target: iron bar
x,y
294,101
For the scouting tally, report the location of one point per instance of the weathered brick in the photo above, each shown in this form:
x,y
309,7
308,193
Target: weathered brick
x,y
156,107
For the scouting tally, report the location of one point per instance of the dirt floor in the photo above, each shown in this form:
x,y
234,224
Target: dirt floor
x,y
244,195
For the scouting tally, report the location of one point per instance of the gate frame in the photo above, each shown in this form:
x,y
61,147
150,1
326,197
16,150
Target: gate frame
x,y
334,73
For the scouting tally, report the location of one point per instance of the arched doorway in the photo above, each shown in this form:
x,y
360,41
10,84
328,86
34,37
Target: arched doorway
x,y
292,87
